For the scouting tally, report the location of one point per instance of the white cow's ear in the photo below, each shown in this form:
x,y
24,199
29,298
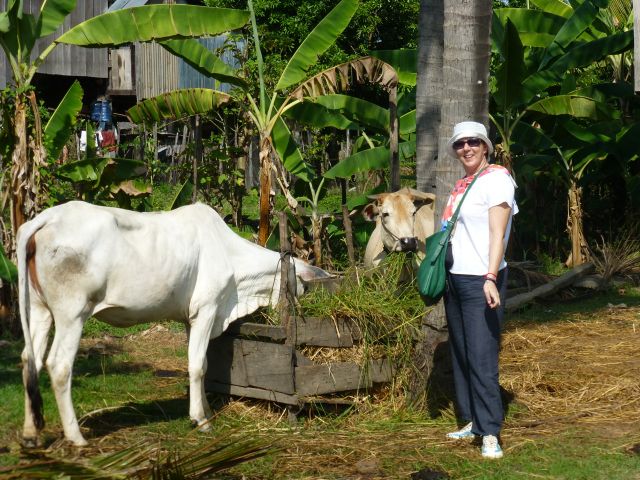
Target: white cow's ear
x,y
370,212
307,272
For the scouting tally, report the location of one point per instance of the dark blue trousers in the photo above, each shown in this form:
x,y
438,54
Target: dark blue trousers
x,y
474,337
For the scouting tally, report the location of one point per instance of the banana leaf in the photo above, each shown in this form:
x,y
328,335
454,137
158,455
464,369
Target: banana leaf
x,y
532,138
627,141
19,39
183,196
575,106
317,116
122,170
579,21
511,71
405,62
289,152
203,60
8,271
177,104
594,133
371,159
52,15
556,7
5,23
580,56
317,42
536,28
153,22
60,125
360,111
85,170
407,123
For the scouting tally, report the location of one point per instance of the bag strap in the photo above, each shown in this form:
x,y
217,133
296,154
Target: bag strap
x,y
454,217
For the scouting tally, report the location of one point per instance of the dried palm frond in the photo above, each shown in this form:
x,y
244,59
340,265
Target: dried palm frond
x,y
144,461
620,256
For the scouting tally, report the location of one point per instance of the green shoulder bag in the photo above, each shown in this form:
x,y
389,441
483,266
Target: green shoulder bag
x,y
432,274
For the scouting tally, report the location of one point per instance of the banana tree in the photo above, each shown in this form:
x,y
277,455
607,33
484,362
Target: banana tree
x,y
19,32
267,109
540,49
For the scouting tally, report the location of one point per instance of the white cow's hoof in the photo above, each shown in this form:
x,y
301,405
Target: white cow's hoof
x,y
202,425
79,442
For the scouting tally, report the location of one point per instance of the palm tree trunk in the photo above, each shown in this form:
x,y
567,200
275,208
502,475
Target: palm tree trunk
x,y
465,77
429,91
265,189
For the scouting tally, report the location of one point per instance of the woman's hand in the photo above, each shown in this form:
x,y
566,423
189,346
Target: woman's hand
x,y
491,293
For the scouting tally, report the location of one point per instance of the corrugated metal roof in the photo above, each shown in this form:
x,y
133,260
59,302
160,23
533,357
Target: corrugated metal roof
x,y
120,4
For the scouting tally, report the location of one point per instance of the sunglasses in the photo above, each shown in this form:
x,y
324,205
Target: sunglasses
x,y
472,142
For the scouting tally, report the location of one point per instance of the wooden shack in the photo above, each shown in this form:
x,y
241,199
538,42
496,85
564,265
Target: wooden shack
x,y
135,72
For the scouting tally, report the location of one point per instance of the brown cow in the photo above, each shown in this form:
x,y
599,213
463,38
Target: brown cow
x,y
403,220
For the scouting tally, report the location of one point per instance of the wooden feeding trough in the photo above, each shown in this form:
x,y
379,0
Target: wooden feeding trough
x,y
258,361
266,361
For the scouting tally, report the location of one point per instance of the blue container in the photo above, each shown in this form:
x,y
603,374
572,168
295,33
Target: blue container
x,y
101,111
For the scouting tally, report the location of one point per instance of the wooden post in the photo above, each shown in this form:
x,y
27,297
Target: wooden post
x,y
284,303
393,140
155,149
197,155
348,234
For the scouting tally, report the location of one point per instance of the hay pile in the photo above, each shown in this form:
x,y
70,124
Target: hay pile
x,y
585,368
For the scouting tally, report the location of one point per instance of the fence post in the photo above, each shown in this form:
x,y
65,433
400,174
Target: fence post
x,y
284,302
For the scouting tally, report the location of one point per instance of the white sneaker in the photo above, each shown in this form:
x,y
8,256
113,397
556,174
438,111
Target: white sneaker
x,y
491,447
464,432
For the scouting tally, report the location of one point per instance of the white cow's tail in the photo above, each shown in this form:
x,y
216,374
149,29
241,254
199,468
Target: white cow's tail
x,y
25,233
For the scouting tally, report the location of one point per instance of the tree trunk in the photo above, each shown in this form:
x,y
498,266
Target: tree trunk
x,y
429,92
579,249
265,189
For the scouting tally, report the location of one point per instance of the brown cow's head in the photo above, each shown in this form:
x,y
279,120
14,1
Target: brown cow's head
x,y
395,213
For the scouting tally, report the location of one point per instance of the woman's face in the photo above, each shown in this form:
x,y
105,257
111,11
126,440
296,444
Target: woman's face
x,y
472,153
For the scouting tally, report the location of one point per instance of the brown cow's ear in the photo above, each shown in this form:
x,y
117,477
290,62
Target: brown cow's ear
x,y
370,212
421,198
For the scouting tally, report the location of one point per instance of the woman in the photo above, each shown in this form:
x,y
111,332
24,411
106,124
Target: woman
x,y
476,283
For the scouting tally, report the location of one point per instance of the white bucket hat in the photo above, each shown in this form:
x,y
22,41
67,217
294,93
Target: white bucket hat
x,y
469,130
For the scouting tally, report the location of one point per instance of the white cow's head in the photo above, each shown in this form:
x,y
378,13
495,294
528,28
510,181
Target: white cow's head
x,y
395,216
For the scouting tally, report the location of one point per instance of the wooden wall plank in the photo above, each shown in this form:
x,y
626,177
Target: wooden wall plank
x,y
316,331
252,392
323,332
323,379
250,363
225,362
340,377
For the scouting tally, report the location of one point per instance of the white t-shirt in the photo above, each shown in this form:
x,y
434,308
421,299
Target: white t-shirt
x,y
470,239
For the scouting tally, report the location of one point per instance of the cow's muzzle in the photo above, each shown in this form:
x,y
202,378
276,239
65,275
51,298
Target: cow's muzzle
x,y
408,244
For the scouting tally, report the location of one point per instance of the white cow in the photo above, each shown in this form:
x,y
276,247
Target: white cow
x,y
77,260
403,220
